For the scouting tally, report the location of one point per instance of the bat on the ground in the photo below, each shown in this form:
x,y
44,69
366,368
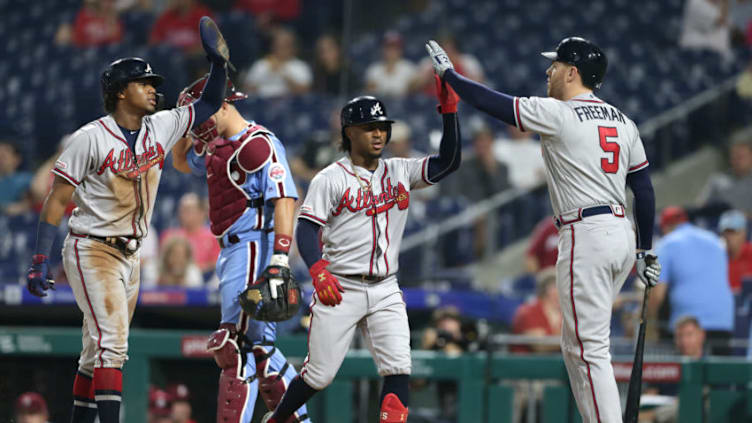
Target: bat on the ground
x,y
635,379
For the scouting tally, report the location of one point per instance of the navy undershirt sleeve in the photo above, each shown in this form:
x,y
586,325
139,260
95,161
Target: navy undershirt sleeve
x,y
213,95
496,104
307,235
644,206
450,150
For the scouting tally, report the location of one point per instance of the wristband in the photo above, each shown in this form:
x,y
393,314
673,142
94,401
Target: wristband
x,y
282,243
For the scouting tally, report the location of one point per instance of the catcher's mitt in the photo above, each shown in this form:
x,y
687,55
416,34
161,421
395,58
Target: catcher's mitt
x,y
274,297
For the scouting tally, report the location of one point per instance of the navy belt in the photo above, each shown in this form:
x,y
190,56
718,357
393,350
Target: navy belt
x,y
617,211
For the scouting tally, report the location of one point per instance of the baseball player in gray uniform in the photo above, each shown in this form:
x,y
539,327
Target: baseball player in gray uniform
x,y
112,169
592,151
359,204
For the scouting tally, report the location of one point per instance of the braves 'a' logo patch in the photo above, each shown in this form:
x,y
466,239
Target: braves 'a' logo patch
x,y
376,110
61,165
277,172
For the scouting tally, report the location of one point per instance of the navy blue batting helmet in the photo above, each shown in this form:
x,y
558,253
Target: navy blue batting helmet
x,y
122,71
363,109
589,60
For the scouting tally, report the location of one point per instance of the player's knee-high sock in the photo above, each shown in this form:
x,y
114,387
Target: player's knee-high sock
x,y
84,406
298,393
397,385
108,389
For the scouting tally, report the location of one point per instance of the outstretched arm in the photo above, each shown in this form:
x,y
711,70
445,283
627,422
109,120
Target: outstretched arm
x,y
450,149
213,95
496,104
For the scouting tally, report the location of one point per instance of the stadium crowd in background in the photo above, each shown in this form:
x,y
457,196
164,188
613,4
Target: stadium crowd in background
x,y
290,64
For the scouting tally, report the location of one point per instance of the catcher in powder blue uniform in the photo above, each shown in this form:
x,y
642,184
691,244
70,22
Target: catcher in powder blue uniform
x,y
251,209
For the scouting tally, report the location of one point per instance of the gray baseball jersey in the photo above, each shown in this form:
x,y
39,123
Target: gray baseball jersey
x,y
589,147
363,213
115,189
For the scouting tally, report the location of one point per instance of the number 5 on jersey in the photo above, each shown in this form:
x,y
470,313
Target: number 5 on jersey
x,y
609,165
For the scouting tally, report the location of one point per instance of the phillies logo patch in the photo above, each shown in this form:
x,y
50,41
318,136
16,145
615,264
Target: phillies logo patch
x,y
277,172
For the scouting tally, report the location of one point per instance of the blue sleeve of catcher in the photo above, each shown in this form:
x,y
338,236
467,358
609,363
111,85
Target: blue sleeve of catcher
x,y
496,104
213,96
307,235
644,206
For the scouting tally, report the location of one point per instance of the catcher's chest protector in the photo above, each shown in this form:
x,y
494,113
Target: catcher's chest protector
x,y
227,200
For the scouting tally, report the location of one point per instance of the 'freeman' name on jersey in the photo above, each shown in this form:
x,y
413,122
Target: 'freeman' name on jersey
x,y
603,112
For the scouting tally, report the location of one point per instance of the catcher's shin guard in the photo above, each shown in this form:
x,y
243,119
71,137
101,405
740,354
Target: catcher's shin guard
x,y
392,410
233,388
272,385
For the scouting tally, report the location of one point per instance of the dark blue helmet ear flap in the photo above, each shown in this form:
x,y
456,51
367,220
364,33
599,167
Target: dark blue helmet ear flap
x,y
589,60
363,109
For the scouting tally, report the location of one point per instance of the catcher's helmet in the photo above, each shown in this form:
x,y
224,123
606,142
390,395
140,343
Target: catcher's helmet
x,y
583,54
363,109
121,71
206,131
192,92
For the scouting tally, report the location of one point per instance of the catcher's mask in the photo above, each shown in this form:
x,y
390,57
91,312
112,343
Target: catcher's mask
x,y
206,131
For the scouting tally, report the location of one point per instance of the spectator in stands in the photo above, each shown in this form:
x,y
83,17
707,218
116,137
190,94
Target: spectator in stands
x,y
160,406
689,337
192,214
267,13
41,182
540,317
280,73
734,189
177,26
14,182
97,23
521,153
177,267
181,403
31,408
543,249
733,229
332,74
392,75
689,341
695,276
481,177
449,334
400,144
464,64
706,26
319,150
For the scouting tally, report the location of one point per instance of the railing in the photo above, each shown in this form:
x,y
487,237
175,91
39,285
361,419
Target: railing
x,y
484,393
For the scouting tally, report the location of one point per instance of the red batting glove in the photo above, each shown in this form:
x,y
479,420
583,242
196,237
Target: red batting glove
x,y
448,99
327,286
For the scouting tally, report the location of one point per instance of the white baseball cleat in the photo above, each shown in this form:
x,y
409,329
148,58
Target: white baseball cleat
x,y
267,416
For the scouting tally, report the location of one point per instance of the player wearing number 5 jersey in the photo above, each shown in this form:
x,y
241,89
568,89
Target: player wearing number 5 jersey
x,y
359,204
592,151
